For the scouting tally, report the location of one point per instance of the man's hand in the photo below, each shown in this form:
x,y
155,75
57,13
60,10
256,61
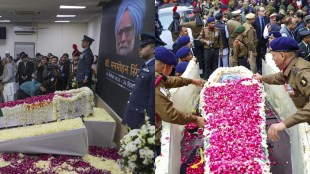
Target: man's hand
x,y
42,89
200,122
274,129
221,54
198,82
85,81
257,76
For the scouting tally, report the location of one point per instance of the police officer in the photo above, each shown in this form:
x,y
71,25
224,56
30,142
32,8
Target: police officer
x,y
241,52
295,75
141,100
304,45
180,68
84,75
164,110
251,40
211,38
184,54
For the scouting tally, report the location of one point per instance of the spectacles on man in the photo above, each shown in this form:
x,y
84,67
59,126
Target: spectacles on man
x,y
127,30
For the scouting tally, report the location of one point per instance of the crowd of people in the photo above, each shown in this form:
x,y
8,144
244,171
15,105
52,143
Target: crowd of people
x,y
22,77
237,33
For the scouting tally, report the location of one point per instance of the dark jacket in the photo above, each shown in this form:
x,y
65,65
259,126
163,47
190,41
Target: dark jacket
x,y
304,51
259,31
25,71
84,66
142,98
300,25
64,74
299,37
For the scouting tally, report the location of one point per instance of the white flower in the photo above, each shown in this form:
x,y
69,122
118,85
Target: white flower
x,y
144,127
143,132
133,157
137,141
132,165
127,140
150,154
131,147
152,130
145,161
151,140
142,153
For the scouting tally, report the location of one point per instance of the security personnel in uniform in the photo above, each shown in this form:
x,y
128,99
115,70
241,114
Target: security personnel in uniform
x,y
84,75
231,26
164,110
251,40
241,52
295,75
211,38
184,54
304,45
142,98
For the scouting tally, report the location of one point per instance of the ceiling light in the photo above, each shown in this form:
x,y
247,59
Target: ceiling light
x,y
72,7
5,21
62,21
65,16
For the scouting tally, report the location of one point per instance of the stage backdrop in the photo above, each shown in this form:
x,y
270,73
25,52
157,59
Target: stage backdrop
x,y
119,59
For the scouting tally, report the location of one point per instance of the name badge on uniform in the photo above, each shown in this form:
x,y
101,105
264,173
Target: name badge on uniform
x,y
163,91
81,56
146,69
289,89
52,79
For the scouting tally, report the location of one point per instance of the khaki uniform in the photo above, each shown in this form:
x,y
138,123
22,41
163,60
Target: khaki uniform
x,y
240,52
164,107
297,74
195,29
213,46
231,25
251,42
213,36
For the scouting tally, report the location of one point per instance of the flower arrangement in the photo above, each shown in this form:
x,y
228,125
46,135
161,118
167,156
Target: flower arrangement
x,y
50,107
137,149
235,136
99,160
42,129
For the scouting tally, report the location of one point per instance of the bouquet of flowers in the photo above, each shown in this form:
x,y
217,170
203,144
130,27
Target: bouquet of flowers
x,y
137,149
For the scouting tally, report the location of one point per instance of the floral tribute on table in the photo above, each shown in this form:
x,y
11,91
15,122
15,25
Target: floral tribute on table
x,y
98,161
46,108
235,139
137,149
